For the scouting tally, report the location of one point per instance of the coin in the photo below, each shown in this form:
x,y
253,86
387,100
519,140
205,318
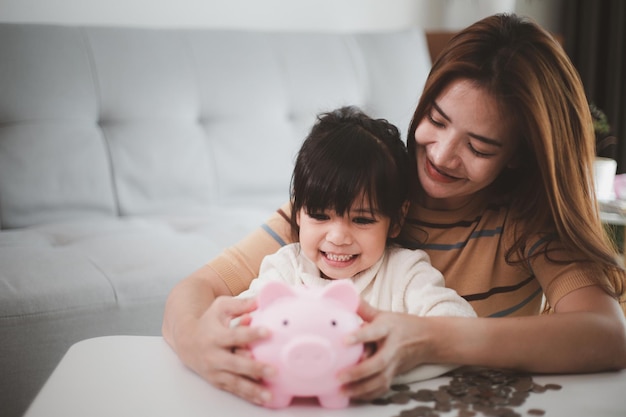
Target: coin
x,y
424,395
400,398
471,391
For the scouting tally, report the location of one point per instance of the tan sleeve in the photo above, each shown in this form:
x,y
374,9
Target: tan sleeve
x,y
569,278
560,271
240,263
560,278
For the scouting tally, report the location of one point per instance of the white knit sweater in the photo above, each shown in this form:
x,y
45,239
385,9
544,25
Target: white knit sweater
x,y
402,280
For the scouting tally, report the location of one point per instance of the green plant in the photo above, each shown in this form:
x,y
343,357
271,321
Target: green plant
x,y
606,143
600,121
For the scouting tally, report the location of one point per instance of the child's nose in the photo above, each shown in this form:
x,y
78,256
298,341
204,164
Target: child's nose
x,y
339,234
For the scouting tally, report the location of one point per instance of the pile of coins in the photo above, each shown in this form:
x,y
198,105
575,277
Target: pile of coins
x,y
471,392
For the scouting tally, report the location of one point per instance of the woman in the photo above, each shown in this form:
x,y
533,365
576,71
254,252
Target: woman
x,y
502,148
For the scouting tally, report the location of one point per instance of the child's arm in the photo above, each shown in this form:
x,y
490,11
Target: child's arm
x,y
423,287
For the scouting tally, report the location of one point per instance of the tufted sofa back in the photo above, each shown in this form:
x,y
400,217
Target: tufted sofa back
x,y
104,122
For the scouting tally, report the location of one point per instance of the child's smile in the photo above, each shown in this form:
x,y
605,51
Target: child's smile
x,y
343,246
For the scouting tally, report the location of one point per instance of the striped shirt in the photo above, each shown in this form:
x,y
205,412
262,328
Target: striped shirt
x,y
467,245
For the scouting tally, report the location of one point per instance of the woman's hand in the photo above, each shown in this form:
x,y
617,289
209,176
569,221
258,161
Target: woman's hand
x,y
219,353
399,347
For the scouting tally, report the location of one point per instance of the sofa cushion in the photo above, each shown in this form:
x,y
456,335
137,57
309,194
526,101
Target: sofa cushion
x,y
136,121
53,161
70,266
129,157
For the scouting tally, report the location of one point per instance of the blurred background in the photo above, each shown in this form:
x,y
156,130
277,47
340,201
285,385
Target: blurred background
x,y
342,15
593,32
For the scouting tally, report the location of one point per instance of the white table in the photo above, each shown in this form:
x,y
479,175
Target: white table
x,y
133,376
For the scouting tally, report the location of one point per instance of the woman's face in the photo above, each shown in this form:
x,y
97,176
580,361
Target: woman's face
x,y
463,144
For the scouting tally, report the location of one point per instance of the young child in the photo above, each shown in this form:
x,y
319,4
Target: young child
x,y
349,192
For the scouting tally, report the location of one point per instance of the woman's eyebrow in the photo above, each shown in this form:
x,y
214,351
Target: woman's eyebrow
x,y
441,112
484,139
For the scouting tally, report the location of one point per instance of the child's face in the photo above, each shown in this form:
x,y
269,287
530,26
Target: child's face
x,y
343,246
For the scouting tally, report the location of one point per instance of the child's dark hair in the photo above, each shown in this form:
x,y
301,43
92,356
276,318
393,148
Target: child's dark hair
x,y
347,153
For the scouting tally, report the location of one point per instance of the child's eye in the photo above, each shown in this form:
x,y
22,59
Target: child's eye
x,y
318,216
364,220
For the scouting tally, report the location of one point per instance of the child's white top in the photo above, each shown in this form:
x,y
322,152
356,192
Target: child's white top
x,y
403,280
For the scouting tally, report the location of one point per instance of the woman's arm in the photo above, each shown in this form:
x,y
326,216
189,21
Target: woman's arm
x,y
199,309
197,326
586,333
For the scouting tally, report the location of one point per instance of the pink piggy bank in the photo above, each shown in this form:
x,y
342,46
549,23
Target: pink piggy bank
x,y
308,327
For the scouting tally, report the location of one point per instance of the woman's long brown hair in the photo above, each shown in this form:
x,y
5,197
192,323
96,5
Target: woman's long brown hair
x,y
535,83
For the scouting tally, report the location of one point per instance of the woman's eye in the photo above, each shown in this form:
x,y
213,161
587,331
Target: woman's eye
x,y
434,122
479,153
364,220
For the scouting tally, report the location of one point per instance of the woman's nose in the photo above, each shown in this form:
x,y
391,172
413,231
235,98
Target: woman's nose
x,y
445,152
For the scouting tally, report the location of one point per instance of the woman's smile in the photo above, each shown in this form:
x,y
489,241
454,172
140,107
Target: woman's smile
x,y
437,174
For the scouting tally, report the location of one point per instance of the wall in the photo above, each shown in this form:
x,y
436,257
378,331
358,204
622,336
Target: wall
x,y
332,15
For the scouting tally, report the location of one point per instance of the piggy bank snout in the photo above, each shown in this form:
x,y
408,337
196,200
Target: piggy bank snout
x,y
309,356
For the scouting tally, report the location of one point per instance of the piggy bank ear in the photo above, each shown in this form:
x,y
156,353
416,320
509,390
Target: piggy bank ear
x,y
344,292
272,291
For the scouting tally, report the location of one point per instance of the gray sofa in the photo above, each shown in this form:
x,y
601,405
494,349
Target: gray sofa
x,y
131,156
